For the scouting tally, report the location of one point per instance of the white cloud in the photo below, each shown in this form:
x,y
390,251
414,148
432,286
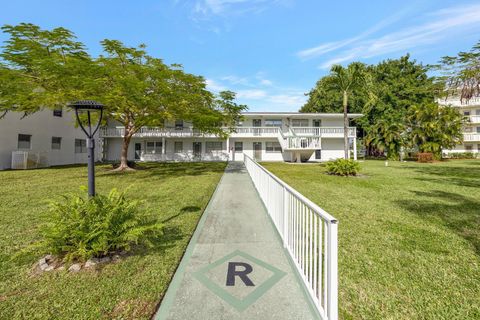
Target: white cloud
x,y
441,24
207,8
266,82
251,94
214,86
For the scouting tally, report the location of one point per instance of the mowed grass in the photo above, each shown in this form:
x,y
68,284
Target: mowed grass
x,y
409,236
130,289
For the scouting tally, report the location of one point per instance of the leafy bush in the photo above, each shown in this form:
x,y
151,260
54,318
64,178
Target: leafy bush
x,y
462,155
343,167
80,227
425,157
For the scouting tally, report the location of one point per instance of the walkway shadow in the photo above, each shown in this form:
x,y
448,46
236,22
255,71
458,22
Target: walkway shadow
x,y
458,213
187,209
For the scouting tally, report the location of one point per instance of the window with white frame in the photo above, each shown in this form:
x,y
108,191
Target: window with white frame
x,y
477,112
238,146
478,129
468,148
80,145
213,146
56,143
153,147
24,141
273,122
299,122
178,147
466,113
273,147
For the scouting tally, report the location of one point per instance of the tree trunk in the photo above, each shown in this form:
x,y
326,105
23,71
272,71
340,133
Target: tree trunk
x,y
345,123
124,154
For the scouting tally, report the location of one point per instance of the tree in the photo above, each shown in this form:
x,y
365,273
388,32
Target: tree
x,y
460,74
387,134
51,69
346,81
41,68
433,128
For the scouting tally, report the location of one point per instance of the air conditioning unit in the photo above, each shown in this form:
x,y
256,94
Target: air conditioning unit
x,y
29,160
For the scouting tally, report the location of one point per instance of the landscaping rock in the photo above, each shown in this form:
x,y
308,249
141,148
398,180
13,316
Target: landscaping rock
x,y
43,266
75,267
49,268
42,261
105,259
116,258
61,268
90,263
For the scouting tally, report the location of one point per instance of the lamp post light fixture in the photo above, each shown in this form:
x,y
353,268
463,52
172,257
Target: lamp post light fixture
x,y
89,106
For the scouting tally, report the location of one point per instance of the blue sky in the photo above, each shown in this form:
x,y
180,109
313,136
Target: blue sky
x,y
269,52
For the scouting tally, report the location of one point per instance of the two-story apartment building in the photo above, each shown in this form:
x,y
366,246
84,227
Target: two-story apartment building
x,y
266,136
49,137
43,138
471,130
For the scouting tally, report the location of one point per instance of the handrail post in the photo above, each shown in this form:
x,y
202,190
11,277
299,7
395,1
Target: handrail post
x,y
332,271
285,217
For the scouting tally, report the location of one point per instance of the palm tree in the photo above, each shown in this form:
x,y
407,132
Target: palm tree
x,y
347,80
388,135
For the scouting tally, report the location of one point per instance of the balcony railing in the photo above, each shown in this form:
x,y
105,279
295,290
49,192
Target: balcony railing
x,y
326,132
474,119
471,137
266,132
303,143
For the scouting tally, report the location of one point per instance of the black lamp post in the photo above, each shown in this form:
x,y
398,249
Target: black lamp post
x,y
89,106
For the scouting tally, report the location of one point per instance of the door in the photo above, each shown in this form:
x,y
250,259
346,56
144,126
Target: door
x,y
138,150
317,124
256,123
197,149
257,151
318,154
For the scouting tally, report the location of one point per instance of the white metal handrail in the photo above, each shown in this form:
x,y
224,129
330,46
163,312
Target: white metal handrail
x,y
304,143
323,131
471,137
309,235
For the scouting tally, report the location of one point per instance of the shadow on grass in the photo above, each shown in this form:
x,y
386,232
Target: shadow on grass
x,y
458,175
174,169
457,212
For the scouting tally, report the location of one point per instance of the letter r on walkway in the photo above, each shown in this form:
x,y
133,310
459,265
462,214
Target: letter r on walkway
x,y
242,274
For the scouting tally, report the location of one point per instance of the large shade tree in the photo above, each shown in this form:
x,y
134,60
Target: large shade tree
x,y
50,68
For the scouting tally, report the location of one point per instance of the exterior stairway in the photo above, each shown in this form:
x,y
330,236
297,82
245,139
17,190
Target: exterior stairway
x,y
301,146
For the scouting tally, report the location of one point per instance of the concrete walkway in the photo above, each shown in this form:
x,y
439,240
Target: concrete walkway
x,y
235,266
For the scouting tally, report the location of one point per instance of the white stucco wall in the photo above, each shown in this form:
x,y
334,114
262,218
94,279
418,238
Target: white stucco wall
x,y
42,126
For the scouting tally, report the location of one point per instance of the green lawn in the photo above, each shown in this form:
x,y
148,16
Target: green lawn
x,y
130,289
409,236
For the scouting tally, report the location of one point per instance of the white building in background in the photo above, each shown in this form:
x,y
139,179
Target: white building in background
x,y
49,138
471,131
265,136
44,138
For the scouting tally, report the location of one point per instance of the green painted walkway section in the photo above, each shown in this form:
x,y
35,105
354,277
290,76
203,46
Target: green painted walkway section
x,y
235,266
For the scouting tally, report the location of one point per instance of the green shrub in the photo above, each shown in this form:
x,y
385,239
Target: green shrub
x,y
462,155
79,228
343,167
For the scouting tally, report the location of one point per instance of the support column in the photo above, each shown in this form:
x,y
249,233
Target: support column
x,y
228,148
355,148
163,145
299,159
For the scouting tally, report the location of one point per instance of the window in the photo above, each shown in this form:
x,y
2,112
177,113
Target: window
x,y
238,146
478,129
273,147
468,148
24,141
213,146
466,113
299,122
273,122
178,124
154,147
56,143
178,147
317,123
80,145
318,154
57,112
477,112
